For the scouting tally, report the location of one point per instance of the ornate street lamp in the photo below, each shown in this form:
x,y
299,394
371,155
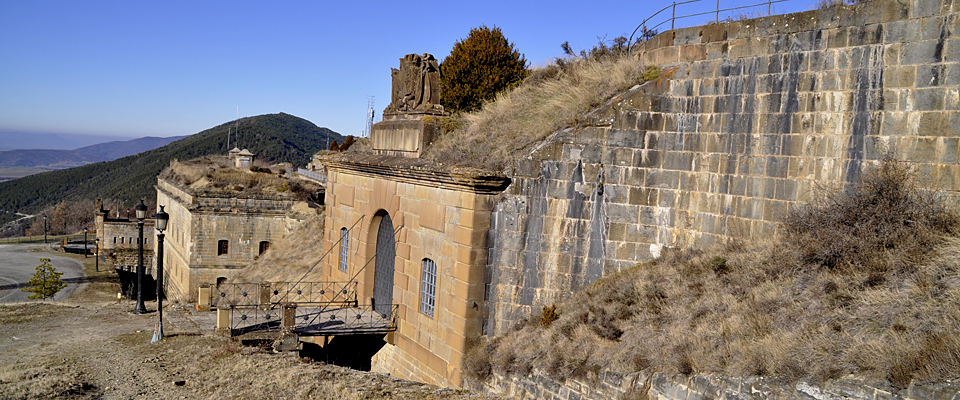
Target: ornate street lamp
x,y
84,242
141,214
96,255
161,219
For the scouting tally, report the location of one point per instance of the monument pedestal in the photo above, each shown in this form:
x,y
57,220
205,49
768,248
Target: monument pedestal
x,y
405,134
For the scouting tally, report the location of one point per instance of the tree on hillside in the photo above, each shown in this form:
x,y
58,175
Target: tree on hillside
x,y
64,218
45,283
479,67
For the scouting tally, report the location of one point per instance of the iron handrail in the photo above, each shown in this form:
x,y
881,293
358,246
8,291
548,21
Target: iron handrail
x,y
350,319
673,18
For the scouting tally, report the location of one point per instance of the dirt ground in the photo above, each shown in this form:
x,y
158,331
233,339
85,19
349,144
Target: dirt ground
x,y
88,346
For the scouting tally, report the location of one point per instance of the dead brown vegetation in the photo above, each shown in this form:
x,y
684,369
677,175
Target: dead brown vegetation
x,y
215,176
864,282
291,258
549,99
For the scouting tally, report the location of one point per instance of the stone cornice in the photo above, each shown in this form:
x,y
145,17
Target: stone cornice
x,y
418,171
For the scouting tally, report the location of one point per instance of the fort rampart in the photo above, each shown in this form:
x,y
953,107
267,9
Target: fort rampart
x,y
747,118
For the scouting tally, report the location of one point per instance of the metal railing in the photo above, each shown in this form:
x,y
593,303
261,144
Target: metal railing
x,y
316,176
674,17
266,295
314,292
313,319
360,319
51,239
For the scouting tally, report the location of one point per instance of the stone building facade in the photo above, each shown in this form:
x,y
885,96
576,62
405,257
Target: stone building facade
x,y
420,233
117,240
208,239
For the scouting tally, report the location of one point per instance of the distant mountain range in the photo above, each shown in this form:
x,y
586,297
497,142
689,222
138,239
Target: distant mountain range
x,y
60,159
19,140
273,138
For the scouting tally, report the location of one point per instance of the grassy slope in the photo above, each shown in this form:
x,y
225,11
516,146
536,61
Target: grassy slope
x,y
550,99
272,137
865,282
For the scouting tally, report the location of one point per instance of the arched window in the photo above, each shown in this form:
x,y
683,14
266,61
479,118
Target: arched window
x,y
344,248
428,287
223,247
264,245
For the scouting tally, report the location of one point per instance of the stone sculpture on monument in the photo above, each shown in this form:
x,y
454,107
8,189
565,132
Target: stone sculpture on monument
x,y
409,122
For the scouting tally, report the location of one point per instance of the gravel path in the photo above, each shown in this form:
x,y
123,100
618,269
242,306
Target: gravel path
x,y
88,346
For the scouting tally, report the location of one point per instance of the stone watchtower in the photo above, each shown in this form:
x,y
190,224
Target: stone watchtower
x,y
409,122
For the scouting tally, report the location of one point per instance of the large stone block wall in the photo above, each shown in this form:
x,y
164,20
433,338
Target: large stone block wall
x,y
446,223
747,118
643,385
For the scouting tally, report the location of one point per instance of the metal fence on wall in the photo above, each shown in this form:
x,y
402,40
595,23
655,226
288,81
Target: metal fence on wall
x,y
650,26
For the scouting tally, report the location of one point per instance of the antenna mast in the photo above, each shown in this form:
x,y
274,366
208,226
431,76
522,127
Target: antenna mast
x,y
370,112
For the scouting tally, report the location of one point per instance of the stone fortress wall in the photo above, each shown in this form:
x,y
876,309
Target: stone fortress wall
x,y
198,223
746,119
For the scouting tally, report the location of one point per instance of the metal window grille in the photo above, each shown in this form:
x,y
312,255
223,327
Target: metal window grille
x,y
344,248
223,247
428,287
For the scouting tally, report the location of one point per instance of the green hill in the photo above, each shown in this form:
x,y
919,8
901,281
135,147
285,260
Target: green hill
x,y
273,138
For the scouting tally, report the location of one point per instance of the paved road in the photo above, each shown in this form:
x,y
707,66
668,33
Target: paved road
x,y
18,264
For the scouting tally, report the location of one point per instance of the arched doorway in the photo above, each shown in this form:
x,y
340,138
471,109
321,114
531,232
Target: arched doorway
x,y
384,267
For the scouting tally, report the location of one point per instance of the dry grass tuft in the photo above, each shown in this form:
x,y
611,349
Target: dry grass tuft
x,y
289,259
549,99
885,307
215,176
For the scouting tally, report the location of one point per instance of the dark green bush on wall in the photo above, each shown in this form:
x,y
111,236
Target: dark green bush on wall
x,y
479,67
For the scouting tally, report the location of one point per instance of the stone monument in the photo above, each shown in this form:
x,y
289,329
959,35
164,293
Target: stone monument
x,y
410,121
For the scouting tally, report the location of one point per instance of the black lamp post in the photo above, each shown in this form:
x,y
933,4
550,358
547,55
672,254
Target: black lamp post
x,y
141,214
44,229
161,219
97,253
84,242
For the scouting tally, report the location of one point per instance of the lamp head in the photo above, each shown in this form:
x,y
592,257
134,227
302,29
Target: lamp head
x,y
141,210
162,218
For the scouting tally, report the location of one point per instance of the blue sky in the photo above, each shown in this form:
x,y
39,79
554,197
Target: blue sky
x,y
170,68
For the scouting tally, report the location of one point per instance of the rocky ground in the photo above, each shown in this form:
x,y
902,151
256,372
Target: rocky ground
x,y
88,346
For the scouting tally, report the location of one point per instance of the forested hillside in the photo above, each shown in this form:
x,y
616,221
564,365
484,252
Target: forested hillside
x,y
273,138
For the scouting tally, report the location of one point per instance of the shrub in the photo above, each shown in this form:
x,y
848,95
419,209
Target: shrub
x,y
549,315
652,72
346,143
885,220
479,67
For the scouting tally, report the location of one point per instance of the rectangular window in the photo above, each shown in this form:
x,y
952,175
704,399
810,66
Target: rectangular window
x,y
428,287
344,248
223,247
264,245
